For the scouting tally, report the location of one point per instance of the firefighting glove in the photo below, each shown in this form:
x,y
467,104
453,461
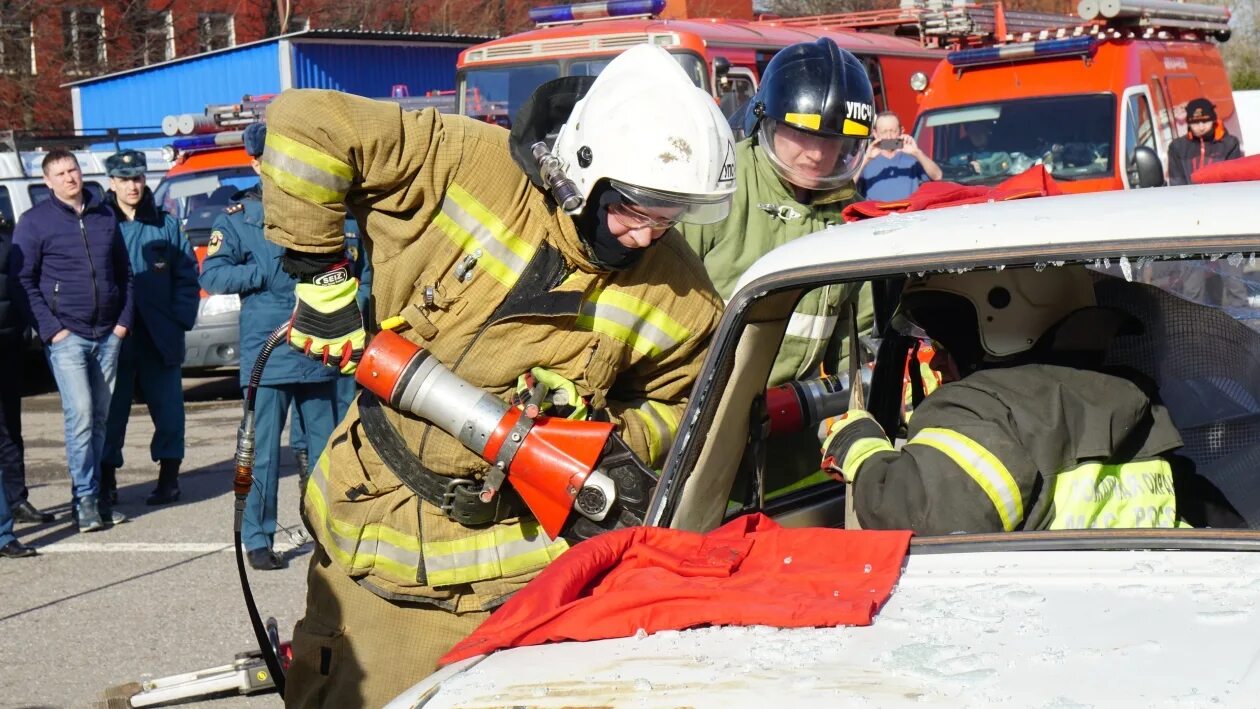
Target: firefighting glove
x,y
634,482
542,391
327,324
853,437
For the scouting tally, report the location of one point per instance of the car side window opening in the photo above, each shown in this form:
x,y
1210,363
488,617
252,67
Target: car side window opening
x,y
734,90
1197,341
1139,126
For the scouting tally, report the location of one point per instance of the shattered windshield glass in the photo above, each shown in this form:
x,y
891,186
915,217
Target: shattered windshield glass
x,y
1072,136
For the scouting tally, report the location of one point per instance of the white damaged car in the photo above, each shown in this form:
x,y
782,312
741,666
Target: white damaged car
x,y
1055,619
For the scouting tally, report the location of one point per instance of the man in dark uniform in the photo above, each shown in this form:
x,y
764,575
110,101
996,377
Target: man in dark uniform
x,y
240,260
164,277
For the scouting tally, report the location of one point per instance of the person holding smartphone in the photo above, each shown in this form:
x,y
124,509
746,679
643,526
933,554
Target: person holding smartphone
x,y
895,166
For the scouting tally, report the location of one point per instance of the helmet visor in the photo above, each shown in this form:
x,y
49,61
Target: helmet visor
x,y
810,160
673,207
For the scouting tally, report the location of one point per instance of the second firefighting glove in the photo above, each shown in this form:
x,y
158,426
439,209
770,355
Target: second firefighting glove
x,y
542,391
327,324
853,437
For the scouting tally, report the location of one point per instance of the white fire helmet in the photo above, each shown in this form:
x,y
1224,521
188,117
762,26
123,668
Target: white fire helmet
x,y
1014,307
655,136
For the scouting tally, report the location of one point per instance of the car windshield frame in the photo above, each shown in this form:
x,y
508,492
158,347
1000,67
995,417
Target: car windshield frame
x,y
748,308
1064,160
497,110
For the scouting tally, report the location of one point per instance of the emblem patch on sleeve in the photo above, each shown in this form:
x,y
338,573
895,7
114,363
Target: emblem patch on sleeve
x,y
216,240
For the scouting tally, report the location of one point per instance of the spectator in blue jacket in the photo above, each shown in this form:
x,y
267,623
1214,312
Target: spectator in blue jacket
x,y
70,260
164,278
240,260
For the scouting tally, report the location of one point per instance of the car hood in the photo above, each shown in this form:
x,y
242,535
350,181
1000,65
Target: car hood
x,y
1032,628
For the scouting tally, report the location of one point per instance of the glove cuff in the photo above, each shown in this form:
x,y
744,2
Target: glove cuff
x,y
306,266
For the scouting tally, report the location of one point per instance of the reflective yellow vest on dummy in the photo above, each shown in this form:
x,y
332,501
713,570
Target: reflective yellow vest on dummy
x,y
1023,448
493,281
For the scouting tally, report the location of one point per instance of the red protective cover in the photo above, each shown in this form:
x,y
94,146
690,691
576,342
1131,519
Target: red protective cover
x,y
1239,170
750,571
1034,182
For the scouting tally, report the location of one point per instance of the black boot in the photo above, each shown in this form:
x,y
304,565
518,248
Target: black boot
x,y
109,484
167,490
26,513
109,515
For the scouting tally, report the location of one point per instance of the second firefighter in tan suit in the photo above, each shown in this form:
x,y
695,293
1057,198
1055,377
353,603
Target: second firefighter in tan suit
x,y
495,280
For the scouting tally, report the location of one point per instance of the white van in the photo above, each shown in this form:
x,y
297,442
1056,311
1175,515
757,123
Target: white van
x,y
22,181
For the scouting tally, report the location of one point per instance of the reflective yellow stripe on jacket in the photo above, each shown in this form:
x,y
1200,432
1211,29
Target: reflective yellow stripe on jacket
x,y
478,232
647,329
499,551
983,467
305,172
1127,495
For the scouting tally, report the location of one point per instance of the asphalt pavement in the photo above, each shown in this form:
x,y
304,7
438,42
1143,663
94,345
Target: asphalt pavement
x,y
156,596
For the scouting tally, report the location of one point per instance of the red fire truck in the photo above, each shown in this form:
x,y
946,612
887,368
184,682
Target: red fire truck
x,y
1096,98
724,56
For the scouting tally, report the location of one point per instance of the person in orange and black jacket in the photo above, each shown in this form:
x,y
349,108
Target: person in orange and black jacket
x,y
1205,142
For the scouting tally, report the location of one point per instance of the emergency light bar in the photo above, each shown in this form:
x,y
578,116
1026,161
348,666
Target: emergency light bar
x,y
210,140
555,14
1024,50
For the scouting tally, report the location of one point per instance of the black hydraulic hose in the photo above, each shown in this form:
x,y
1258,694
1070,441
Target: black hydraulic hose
x,y
241,485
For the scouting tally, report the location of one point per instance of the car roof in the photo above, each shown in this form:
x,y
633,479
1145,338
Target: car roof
x,y
1230,209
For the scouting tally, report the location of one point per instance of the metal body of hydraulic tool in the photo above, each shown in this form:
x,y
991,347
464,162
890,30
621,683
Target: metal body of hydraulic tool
x,y
556,465
798,405
246,674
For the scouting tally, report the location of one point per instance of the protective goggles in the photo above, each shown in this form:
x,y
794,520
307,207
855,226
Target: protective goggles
x,y
660,207
636,217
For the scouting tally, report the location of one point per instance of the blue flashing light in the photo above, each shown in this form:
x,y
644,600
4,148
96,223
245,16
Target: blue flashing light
x,y
548,14
1042,49
208,140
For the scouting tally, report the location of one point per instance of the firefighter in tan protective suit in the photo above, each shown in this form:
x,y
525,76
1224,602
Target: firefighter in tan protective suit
x,y
586,297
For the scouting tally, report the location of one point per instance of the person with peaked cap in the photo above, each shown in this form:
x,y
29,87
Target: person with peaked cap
x,y
239,260
164,280
498,276
1206,141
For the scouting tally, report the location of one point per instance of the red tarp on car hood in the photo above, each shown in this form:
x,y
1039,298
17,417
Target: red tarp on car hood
x,y
750,571
1034,182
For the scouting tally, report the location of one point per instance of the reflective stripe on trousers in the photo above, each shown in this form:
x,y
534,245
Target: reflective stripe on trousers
x,y
500,551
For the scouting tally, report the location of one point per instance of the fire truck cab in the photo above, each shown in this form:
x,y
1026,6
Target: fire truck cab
x,y
1095,98
723,56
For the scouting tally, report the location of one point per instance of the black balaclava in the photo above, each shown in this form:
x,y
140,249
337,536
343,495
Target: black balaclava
x,y
602,247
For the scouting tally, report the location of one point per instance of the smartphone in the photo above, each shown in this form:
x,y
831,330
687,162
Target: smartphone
x,y
889,144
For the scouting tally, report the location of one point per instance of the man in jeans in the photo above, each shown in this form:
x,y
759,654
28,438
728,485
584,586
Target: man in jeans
x,y
72,266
